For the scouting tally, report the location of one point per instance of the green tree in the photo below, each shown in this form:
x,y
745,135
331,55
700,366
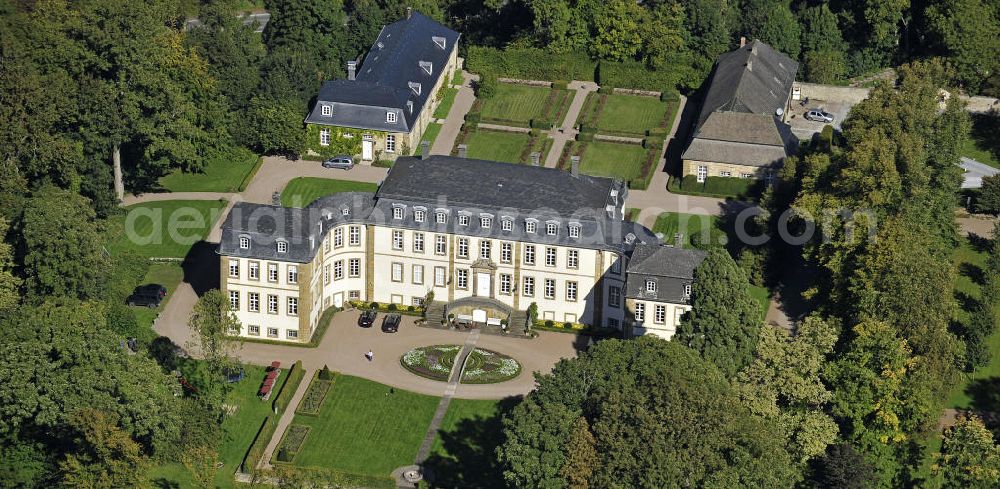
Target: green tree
x,y
660,417
969,456
617,29
780,30
63,254
968,32
988,200
9,283
104,455
314,29
273,127
724,322
580,456
844,468
214,325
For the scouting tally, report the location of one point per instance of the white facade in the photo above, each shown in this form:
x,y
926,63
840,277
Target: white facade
x,y
654,317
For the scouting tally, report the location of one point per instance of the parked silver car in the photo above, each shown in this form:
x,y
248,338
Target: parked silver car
x,y
340,161
819,115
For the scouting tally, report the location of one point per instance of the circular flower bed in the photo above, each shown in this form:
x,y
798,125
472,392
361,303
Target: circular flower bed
x,y
488,367
433,362
482,367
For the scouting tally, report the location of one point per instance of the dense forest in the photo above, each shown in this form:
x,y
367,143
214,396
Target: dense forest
x,y
848,401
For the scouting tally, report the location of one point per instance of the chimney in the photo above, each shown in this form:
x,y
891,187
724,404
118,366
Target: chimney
x,y
409,106
743,41
352,68
409,12
536,158
462,148
574,165
425,148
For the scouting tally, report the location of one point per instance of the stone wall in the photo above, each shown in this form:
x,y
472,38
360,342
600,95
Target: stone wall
x,y
690,167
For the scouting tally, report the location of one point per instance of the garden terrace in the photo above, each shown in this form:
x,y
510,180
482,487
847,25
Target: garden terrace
x,y
517,105
629,162
510,147
627,115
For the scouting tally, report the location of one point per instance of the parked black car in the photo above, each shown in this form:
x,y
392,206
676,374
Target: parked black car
x,y
147,295
367,318
156,289
390,324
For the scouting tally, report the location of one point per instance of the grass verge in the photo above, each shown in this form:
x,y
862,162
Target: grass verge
x,y
447,100
163,229
229,170
694,228
302,191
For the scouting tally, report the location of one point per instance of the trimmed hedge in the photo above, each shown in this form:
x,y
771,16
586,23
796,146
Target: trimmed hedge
x,y
826,138
633,74
473,117
284,397
660,132
530,63
588,129
721,187
541,124
585,136
606,89
654,142
670,95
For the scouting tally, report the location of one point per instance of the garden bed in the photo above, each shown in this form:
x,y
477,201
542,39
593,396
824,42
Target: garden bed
x,y
489,367
509,147
312,401
431,362
627,115
629,162
517,105
292,442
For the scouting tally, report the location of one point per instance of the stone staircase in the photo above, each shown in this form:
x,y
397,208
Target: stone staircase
x,y
437,313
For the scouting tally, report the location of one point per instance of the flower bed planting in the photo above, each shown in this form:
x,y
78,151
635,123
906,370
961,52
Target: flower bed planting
x,y
432,362
489,367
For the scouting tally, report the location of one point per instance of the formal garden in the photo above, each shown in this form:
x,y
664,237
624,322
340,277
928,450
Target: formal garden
x,y
632,163
163,229
507,146
619,114
482,366
302,191
519,105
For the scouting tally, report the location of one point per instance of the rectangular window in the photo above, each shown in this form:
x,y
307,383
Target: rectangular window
x,y
326,274
390,117
353,295
551,228
614,296
571,288
462,278
529,287
529,254
338,237
338,269
484,249
616,266
354,235
507,224
573,258
650,286
574,231
746,175
253,330
390,143
418,274
326,244
272,272
234,268
439,276
282,247
253,301
640,312
326,110
293,274
234,300
272,304
418,215
485,222
397,239
463,220
441,217
463,247
702,173
440,244
272,332
354,267
504,283
550,288
324,137
397,272
725,174
659,314
397,212
291,334
293,306
530,226
550,257
505,252
418,242
244,243
253,271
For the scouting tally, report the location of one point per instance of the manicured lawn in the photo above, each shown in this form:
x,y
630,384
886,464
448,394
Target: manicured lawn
x,y
447,99
626,115
430,135
165,229
301,191
238,431
670,223
364,428
977,150
463,454
168,274
983,144
497,145
225,171
607,159
519,104
763,296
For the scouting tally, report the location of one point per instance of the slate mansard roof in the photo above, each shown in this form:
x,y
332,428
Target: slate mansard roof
x,y
739,120
456,186
387,79
671,269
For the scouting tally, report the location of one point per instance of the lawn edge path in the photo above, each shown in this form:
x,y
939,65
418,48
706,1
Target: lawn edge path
x,y
453,379
285,421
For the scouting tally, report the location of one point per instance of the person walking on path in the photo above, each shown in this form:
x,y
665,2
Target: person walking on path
x,y
370,356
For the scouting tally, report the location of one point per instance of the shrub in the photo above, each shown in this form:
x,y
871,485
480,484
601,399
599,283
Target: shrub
x,y
325,374
660,132
373,305
638,183
541,124
826,138
530,63
392,307
283,456
560,85
533,312
585,136
653,142
411,308
588,129
534,133
633,74
669,95
567,325
751,260
473,118
606,89
691,183
549,323
486,87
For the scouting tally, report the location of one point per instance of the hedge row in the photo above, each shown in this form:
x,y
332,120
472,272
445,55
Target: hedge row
x,y
530,63
714,186
633,74
260,441
284,397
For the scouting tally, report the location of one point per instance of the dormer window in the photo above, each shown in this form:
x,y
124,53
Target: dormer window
x,y
574,230
441,217
418,215
650,286
244,242
344,211
530,226
486,221
397,212
326,110
687,290
427,66
439,41
507,224
282,246
390,117
551,228
416,87
463,219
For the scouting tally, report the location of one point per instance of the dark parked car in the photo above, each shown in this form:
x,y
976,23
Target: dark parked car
x,y
390,324
156,289
819,115
367,318
341,161
147,297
